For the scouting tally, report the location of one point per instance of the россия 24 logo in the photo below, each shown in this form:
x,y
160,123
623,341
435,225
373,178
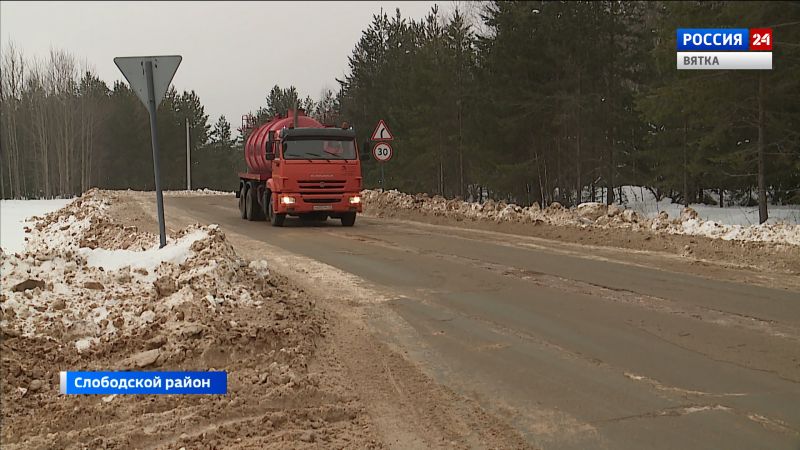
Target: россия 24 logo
x,y
724,39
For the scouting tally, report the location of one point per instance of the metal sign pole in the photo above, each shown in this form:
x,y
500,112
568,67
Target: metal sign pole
x,y
383,180
188,159
151,106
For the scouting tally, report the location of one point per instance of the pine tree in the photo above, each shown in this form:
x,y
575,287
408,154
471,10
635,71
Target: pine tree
x,y
221,133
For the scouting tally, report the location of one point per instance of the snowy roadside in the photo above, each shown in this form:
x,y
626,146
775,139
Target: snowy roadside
x,y
644,203
188,193
84,278
687,222
204,191
89,293
15,215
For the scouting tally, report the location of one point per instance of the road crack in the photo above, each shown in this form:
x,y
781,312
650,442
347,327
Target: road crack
x,y
675,411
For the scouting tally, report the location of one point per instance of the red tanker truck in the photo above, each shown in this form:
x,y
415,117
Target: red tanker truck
x,y
299,167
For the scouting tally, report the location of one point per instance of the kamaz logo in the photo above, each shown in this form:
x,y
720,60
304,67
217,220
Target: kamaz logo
x,y
321,175
322,184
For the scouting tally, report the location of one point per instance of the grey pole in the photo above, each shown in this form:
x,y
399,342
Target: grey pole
x,y
151,106
383,180
188,159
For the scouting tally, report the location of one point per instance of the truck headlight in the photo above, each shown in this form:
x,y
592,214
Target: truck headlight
x,y
355,200
286,200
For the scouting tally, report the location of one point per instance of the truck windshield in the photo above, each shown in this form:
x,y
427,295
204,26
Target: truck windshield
x,y
319,149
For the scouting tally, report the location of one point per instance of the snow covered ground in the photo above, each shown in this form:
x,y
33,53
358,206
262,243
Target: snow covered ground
x,y
176,252
644,203
89,292
14,215
204,191
638,212
97,278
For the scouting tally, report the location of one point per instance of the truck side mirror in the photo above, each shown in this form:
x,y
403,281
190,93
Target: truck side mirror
x,y
270,153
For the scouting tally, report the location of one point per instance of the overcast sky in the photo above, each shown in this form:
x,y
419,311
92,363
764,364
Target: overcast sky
x,y
233,52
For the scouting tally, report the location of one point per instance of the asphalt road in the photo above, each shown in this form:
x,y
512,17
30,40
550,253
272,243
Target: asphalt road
x,y
574,350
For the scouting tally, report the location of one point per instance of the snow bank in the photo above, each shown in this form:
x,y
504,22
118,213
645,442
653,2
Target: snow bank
x,y
189,193
644,203
175,252
768,232
84,279
15,215
555,214
683,221
88,293
185,193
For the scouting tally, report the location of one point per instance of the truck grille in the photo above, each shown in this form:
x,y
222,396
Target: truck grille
x,y
321,185
319,188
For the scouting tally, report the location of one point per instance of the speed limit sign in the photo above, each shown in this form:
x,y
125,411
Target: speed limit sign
x,y
382,152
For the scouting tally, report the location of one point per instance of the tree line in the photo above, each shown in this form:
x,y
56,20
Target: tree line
x,y
562,101
63,131
531,102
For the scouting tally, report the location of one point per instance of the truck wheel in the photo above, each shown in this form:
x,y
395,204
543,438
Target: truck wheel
x,y
252,208
274,218
242,207
348,219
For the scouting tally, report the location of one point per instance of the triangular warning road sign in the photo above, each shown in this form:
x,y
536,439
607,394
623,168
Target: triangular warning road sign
x,y
164,68
382,132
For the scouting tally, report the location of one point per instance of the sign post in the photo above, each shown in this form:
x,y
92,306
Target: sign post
x,y
151,106
382,151
188,159
149,78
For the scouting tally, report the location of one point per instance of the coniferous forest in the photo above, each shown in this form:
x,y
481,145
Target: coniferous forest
x,y
522,101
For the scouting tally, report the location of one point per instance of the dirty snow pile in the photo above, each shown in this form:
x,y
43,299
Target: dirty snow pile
x,y
644,202
189,193
88,293
86,280
592,214
690,223
555,214
14,215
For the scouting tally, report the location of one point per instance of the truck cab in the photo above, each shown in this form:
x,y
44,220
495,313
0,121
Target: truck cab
x,y
312,172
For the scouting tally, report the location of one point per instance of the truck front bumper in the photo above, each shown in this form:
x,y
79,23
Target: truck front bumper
x,y
296,204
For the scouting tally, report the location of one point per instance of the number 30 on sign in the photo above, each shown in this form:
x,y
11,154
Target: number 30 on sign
x,y
382,152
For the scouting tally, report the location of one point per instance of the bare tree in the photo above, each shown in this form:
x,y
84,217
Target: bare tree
x,y
12,79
